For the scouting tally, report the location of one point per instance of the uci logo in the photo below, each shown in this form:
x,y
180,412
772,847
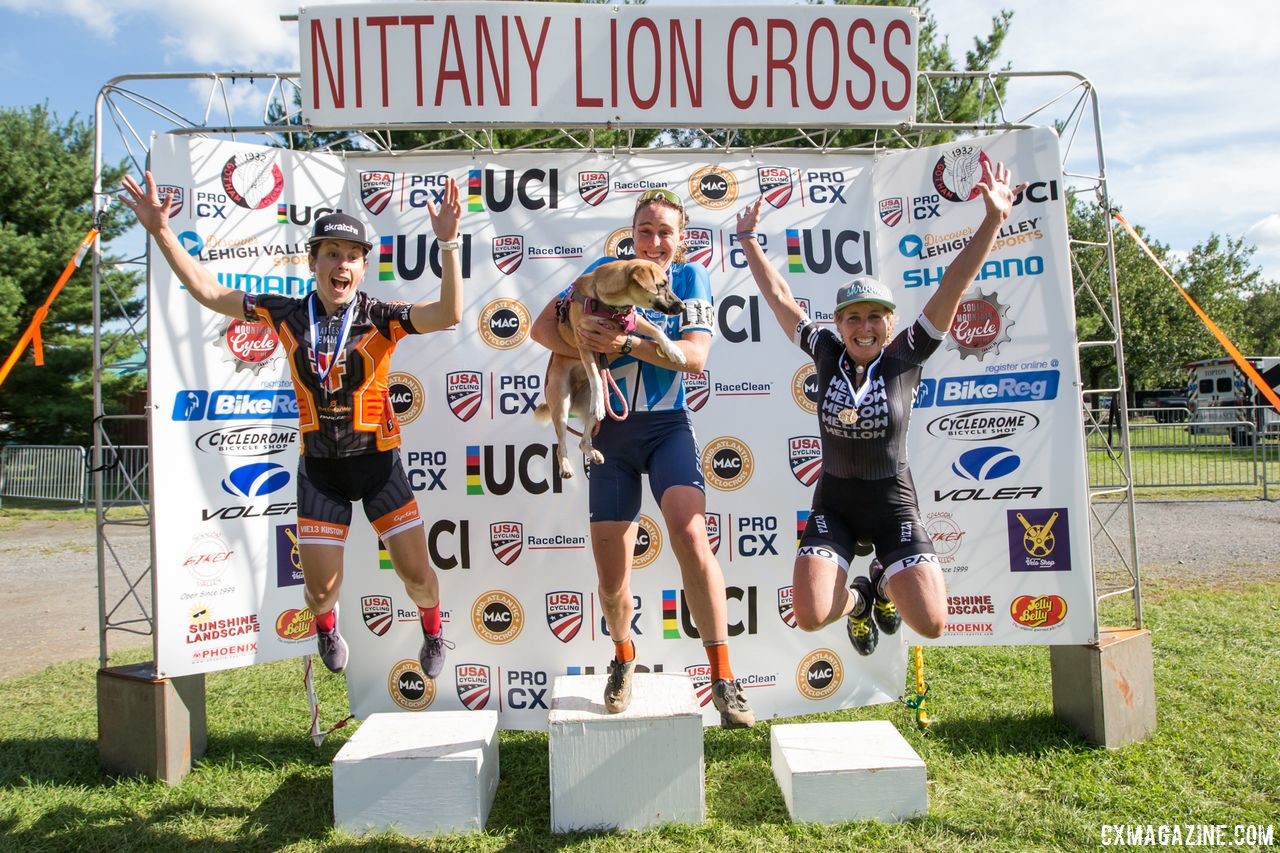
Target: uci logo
x,y
407,257
486,474
820,250
504,323
533,189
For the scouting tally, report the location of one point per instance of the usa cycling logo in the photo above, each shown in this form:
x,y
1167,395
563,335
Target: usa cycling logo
x,y
713,531
891,210
506,540
593,187
775,184
699,246
700,675
464,389
376,189
697,389
986,463
804,454
786,606
377,614
256,480
175,194
473,685
508,253
564,614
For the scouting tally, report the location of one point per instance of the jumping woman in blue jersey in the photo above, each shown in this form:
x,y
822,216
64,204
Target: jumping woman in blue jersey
x,y
655,439
866,493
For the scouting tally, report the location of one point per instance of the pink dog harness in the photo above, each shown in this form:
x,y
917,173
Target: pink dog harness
x,y
625,317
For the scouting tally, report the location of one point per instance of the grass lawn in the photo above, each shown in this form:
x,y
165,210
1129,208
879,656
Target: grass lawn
x,y
1004,774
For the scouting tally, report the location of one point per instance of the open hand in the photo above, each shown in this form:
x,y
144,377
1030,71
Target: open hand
x,y
749,216
997,195
444,220
151,210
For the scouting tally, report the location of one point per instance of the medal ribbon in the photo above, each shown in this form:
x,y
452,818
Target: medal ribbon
x,y
323,371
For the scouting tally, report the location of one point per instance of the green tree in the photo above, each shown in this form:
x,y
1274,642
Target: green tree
x,y
46,206
1221,276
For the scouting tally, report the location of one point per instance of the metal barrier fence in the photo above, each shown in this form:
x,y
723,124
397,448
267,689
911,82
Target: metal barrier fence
x,y
61,473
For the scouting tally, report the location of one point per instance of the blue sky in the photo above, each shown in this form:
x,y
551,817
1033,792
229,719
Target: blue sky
x,y
1190,117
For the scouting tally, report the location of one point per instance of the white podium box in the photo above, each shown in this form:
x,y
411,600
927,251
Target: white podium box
x,y
632,770
834,772
420,774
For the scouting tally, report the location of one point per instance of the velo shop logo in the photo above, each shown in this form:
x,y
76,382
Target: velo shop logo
x,y
1039,540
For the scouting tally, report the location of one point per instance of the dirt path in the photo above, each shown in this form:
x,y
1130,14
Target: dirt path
x,y
49,607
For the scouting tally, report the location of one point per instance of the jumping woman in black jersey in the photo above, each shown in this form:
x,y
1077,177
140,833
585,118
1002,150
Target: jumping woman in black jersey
x,y
865,493
339,343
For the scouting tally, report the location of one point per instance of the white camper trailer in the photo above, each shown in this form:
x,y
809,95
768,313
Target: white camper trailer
x,y
1223,401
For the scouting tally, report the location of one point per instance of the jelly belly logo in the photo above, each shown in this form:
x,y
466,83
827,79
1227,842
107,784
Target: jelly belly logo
x,y
727,463
593,187
713,531
409,688
804,388
786,606
564,614
1038,612
504,323
376,189
498,189
248,344
508,253
288,556
697,389
957,172
473,685
377,613
252,180
1039,540
464,390
823,250
176,195
819,674
699,246
890,210
648,543
296,626
713,187
804,455
775,184
980,326
506,540
497,617
700,675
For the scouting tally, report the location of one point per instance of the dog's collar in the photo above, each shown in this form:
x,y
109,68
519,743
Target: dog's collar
x,y
624,315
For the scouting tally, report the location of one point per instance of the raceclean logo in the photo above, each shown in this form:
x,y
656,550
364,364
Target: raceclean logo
x,y
818,251
256,479
497,190
408,257
986,463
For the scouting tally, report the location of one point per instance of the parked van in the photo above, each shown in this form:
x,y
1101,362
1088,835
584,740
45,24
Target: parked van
x,y
1222,400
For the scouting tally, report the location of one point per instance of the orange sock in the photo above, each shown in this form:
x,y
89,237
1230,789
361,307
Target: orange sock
x,y
718,657
624,651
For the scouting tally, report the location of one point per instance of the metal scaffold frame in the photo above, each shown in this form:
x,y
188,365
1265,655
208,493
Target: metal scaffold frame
x,y
1067,101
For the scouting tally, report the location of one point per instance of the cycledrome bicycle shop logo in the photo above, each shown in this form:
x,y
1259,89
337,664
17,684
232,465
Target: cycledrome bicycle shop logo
x,y
473,684
497,617
1039,540
408,687
197,404
982,424
464,391
727,463
407,396
775,184
713,187
377,613
804,455
564,613
252,180
406,258
504,323
804,388
819,674
249,440
593,187
648,543
497,190
1038,612
980,326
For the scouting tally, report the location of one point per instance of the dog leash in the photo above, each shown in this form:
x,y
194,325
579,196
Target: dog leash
x,y
611,389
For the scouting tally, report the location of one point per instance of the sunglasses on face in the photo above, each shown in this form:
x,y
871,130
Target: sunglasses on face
x,y
663,195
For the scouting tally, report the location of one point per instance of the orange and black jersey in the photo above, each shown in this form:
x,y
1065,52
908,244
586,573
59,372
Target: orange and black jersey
x,y
344,408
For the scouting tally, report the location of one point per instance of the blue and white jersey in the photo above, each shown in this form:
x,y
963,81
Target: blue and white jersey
x,y
649,388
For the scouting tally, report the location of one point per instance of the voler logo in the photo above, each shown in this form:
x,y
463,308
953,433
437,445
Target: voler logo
x,y
464,389
804,388
697,389
890,210
248,344
1039,540
1038,611
409,688
983,424
699,246
593,187
980,326
408,397
727,463
472,680
376,612
804,454
504,323
713,187
497,617
786,606
564,614
956,174
376,189
256,479
648,543
775,184
819,674
621,244
713,531
252,180
700,675
986,463
506,539
176,195
508,253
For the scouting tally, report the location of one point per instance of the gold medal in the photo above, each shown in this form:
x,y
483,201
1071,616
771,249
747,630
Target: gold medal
x,y
848,416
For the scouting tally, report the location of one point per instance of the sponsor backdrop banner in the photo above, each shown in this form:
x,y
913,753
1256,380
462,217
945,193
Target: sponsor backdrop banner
x,y
507,535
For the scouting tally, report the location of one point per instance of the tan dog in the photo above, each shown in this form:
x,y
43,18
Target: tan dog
x,y
575,385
